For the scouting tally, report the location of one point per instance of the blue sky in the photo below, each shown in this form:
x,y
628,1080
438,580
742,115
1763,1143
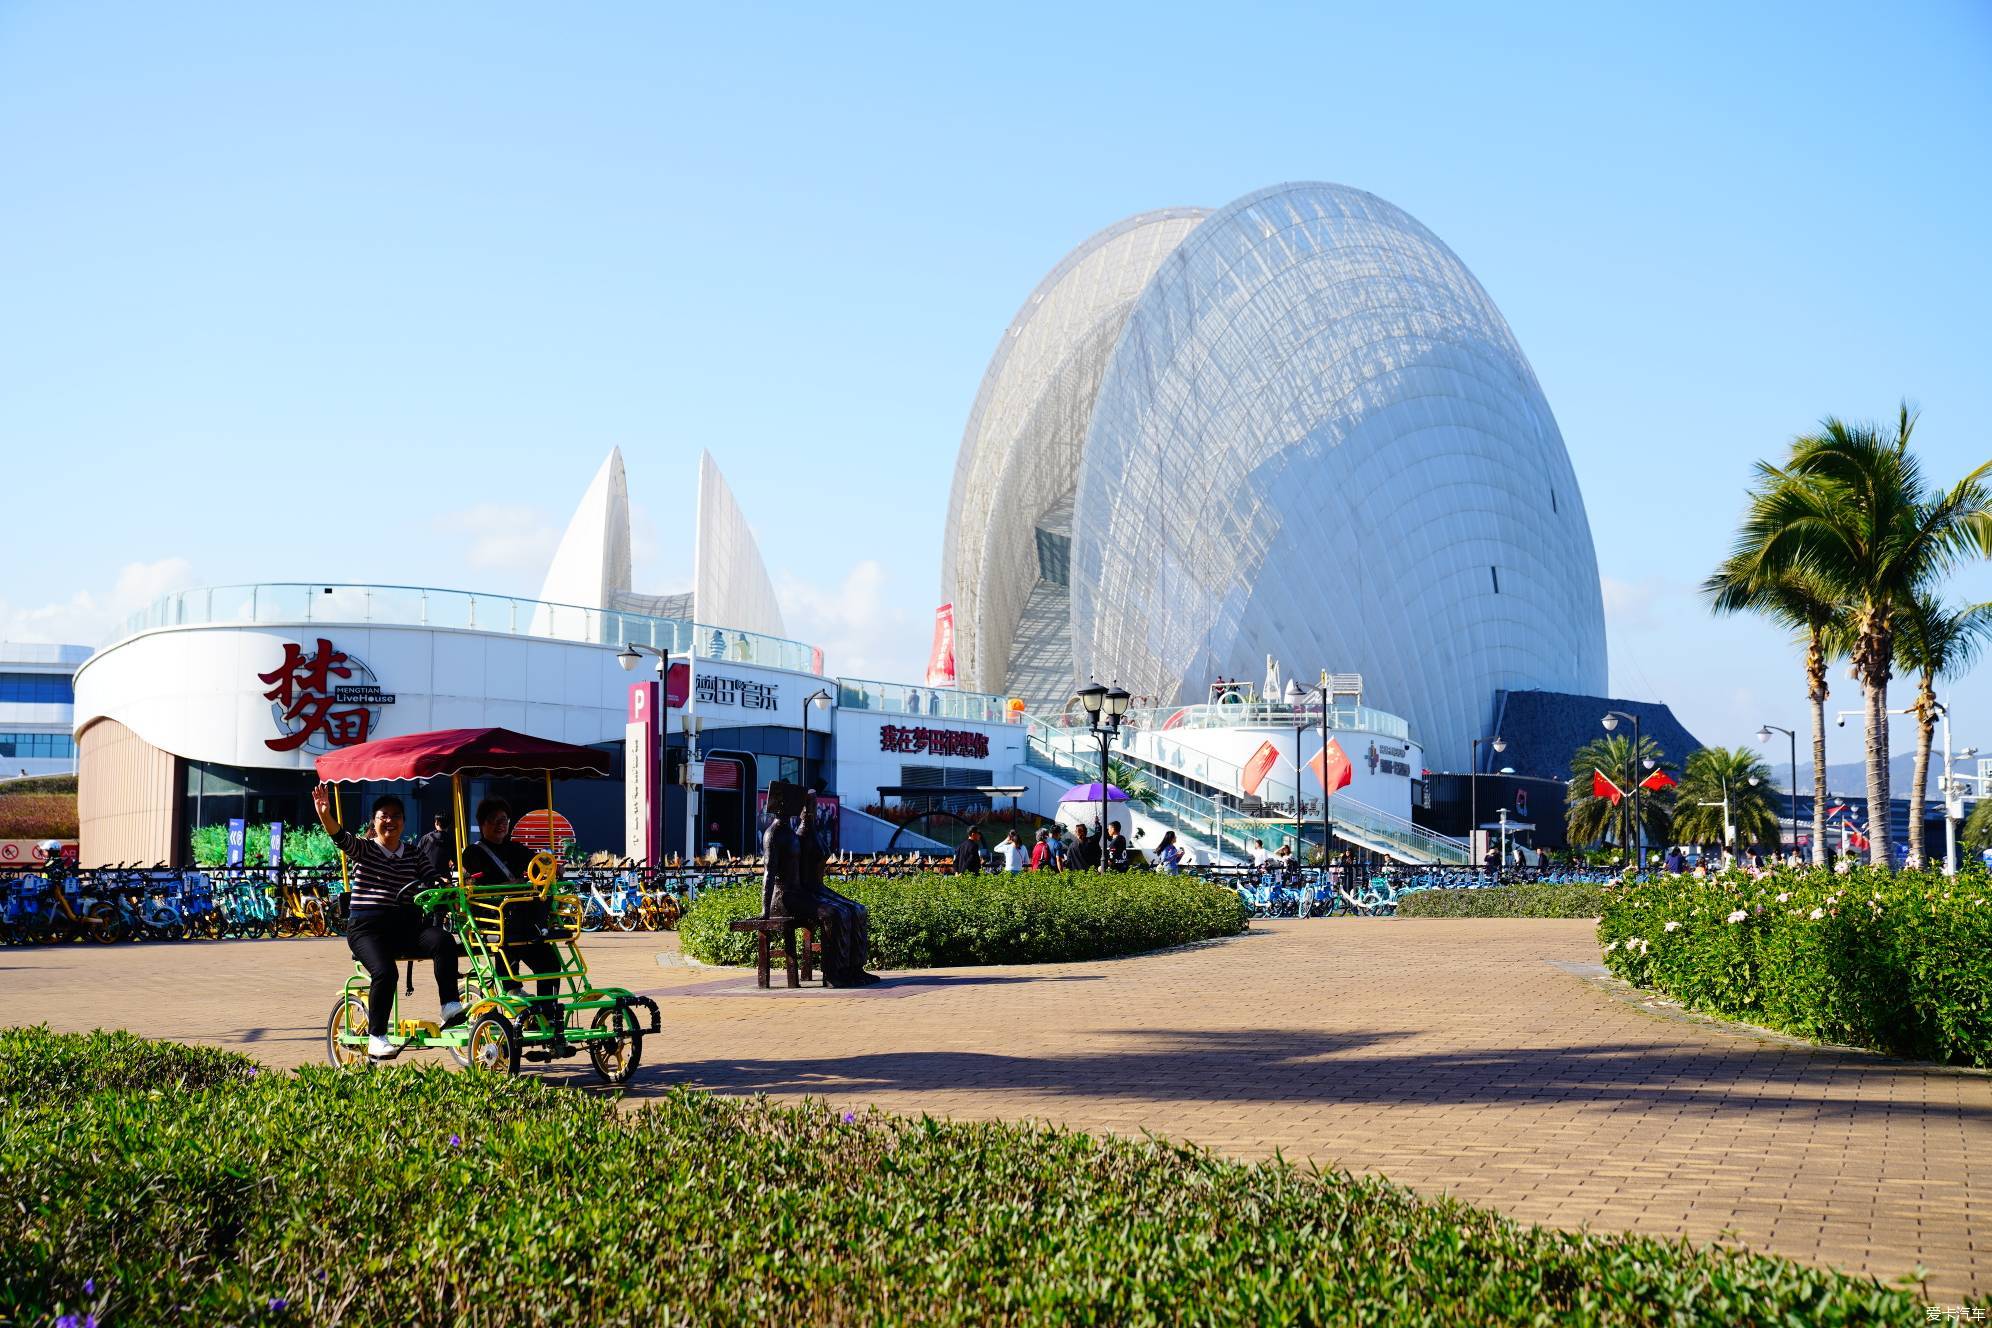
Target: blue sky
x,y
366,292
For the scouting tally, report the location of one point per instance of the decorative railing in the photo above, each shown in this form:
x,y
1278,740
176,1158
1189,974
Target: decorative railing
x,y
421,606
929,702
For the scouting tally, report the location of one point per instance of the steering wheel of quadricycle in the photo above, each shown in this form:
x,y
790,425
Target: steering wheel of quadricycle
x,y
543,871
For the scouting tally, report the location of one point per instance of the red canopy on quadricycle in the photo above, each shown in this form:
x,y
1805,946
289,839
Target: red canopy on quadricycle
x,y
460,752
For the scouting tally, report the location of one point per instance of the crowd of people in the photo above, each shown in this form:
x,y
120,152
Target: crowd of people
x,y
1060,848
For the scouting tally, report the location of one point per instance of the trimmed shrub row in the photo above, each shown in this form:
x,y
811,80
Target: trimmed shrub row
x,y
935,921
424,1197
1524,900
1899,962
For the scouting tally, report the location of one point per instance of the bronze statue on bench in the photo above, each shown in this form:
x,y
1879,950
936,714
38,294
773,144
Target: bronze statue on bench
x,y
794,898
844,922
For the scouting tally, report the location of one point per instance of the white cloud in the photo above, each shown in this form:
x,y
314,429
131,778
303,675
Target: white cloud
x,y
1634,604
867,626
92,618
498,538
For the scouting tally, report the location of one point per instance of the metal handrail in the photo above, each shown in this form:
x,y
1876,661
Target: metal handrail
x,y
427,606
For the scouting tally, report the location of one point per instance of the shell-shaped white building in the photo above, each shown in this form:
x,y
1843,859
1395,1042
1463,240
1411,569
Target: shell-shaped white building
x,y
1295,426
730,585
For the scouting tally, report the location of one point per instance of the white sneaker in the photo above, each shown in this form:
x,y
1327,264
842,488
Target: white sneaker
x,y
380,1048
452,1013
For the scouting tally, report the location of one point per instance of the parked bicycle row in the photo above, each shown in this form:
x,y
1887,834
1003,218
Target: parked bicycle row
x,y
108,905
1280,891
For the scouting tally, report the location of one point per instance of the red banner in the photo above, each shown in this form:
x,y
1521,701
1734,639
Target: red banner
x,y
1256,769
941,660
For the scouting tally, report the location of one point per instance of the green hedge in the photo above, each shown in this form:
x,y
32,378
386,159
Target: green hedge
x,y
1900,962
424,1197
1012,918
1576,900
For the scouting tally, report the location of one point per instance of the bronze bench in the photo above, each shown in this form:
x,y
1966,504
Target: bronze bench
x,y
786,928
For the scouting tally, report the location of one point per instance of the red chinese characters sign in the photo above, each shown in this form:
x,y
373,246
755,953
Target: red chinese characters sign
x,y
934,742
321,699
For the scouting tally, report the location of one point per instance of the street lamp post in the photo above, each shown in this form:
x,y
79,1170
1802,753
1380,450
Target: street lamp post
x,y
1952,804
1728,833
1955,805
1110,703
1884,854
1611,721
1499,744
1764,735
820,698
1294,700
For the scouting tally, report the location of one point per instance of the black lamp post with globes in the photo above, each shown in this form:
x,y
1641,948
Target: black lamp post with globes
x,y
1106,704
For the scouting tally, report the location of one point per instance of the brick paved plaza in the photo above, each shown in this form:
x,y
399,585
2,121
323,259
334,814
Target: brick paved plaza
x,y
1478,1058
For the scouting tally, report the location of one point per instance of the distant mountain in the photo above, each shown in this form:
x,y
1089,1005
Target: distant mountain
x,y
1849,778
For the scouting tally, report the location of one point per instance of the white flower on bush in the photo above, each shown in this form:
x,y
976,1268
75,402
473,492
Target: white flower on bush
x,y
1637,945
1817,914
1738,916
1784,896
1673,926
1613,946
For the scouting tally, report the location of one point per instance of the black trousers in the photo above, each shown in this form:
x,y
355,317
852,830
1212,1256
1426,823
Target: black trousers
x,y
380,939
535,957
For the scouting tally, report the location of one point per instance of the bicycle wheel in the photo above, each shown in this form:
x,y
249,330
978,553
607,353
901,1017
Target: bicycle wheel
x,y
494,1044
626,920
349,1017
616,1059
472,997
105,926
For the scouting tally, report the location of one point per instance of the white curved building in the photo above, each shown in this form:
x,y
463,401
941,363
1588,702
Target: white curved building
x,y
1295,426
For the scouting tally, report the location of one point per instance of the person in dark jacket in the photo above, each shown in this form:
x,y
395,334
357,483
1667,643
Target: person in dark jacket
x,y
968,858
1116,847
440,846
498,859
1085,850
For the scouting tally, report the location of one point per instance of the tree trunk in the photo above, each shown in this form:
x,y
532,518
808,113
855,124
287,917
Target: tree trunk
x,y
1877,772
1816,690
1926,728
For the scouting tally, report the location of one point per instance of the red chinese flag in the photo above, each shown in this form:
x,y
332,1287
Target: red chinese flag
x,y
1257,768
1604,788
1339,769
1658,780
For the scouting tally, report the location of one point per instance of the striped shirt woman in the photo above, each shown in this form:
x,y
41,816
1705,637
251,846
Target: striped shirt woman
x,y
387,873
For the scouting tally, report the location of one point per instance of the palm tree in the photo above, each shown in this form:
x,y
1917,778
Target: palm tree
x,y
1713,774
1850,506
1133,782
1936,642
1977,832
1806,605
1589,819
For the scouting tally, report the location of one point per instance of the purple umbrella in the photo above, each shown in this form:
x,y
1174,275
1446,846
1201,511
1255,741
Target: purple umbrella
x,y
1091,793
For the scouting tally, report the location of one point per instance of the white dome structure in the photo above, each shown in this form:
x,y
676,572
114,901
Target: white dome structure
x,y
1308,433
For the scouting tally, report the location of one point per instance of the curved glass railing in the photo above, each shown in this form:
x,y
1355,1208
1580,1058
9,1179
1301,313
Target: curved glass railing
x,y
894,698
1240,713
423,606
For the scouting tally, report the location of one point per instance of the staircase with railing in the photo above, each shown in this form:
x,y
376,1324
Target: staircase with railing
x,y
1191,789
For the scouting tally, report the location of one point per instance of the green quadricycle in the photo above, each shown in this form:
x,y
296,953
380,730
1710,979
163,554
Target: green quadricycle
x,y
498,928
